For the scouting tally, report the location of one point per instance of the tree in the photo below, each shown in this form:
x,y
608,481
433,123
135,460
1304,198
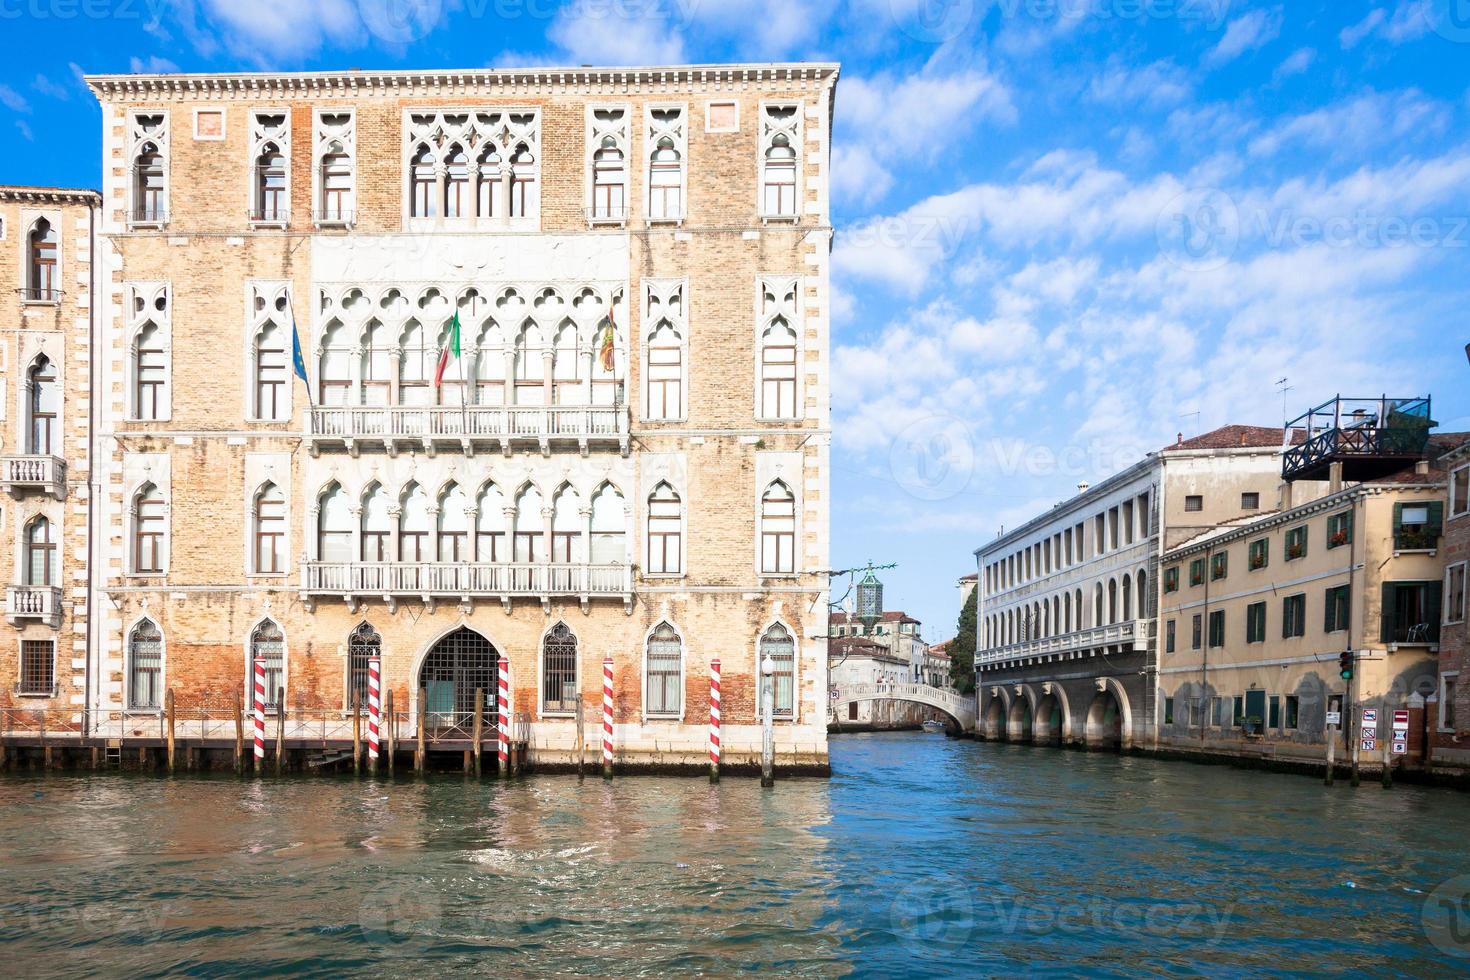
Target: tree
x,y
962,648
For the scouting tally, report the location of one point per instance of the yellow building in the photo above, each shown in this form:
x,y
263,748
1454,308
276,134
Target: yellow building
x,y
1259,618
623,455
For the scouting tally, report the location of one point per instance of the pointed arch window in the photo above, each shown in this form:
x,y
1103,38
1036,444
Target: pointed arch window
x,y
609,181
559,671
334,526
43,405
779,179
454,527
663,669
363,645
422,181
457,200
145,667
665,373
665,182
778,371
488,192
778,530
414,526
337,186
529,527
270,531
43,279
150,375
566,528
377,366
530,366
490,526
40,567
780,647
271,403
150,195
524,202
377,526
566,359
609,527
270,186
490,366
665,532
268,648
149,544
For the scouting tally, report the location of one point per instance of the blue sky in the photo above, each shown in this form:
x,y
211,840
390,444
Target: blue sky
x,y
1067,229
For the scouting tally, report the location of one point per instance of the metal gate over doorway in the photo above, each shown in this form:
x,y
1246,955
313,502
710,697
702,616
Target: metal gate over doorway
x,y
454,669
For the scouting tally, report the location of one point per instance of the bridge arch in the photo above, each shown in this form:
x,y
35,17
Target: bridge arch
x,y
959,708
1109,722
1022,715
993,720
1053,716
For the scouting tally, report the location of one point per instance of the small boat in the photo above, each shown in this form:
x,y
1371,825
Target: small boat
x,y
933,726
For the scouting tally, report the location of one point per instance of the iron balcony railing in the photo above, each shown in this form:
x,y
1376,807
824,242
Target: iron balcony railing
x,y
1358,428
41,602
501,424
334,216
494,579
1128,633
39,294
270,215
148,216
19,474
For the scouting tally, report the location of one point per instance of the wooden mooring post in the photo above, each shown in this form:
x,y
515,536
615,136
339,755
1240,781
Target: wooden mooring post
x,y
479,725
168,710
356,735
280,727
419,757
239,735
392,726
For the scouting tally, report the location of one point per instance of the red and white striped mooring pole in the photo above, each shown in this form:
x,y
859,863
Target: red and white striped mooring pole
x,y
714,720
502,715
607,718
375,709
259,715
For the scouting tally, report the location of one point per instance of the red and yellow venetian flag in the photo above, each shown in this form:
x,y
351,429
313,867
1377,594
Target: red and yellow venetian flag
x,y
606,354
451,346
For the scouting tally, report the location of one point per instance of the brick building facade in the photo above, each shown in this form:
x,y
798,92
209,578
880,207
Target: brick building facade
x,y
1450,715
625,457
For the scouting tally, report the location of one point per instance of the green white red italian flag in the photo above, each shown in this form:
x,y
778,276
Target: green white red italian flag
x,y
452,347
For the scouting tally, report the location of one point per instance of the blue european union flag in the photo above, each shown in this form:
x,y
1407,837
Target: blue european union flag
x,y
297,361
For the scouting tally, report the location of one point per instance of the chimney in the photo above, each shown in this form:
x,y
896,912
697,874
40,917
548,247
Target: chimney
x,y
1422,467
1084,486
1334,477
1286,496
1179,439
1242,438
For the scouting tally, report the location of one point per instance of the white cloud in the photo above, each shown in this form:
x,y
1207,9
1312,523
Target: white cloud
x,y
857,176
1245,33
268,32
614,35
25,130
13,100
154,65
1369,119
1161,83
1409,22
51,89
1297,62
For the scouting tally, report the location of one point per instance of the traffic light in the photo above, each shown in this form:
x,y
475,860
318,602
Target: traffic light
x,y
1345,664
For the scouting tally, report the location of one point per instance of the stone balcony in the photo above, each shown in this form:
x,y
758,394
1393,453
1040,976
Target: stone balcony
x,y
33,602
494,427
1128,636
20,475
464,582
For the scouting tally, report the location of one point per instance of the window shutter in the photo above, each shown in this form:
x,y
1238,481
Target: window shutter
x,y
1286,618
1436,516
1433,605
1327,615
1398,520
1390,596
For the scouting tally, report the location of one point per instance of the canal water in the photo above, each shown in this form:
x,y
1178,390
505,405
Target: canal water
x,y
922,856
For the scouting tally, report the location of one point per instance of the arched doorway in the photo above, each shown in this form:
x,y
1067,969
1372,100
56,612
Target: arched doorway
x,y
995,719
459,664
1051,721
1018,725
1105,722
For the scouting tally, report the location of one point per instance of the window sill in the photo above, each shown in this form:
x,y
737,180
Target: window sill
x,y
333,223
780,219
273,576
1415,551
780,575
607,222
676,719
41,302
37,695
674,222
147,576
664,576
147,225
558,714
269,225
142,712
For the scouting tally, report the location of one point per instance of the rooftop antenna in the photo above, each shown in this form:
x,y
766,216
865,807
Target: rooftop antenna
x,y
1283,386
1192,415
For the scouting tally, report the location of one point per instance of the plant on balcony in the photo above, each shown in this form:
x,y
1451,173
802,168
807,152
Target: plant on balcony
x,y
1295,550
1411,539
1338,539
1258,560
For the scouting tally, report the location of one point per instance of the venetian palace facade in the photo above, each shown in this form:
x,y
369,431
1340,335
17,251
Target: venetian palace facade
x,y
625,456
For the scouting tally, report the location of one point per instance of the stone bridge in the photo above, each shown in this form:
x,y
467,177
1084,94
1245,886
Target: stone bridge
x,y
959,707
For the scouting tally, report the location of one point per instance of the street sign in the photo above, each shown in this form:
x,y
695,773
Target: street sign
x,y
836,695
1370,744
1401,720
1334,717
1370,716
1400,747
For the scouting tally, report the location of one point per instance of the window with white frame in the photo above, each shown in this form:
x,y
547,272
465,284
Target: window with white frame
x,y
270,175
559,671
269,396
43,408
778,530
363,647
1454,593
663,672
453,530
37,668
334,526
40,554
415,526
530,527
268,520
665,349
665,532
43,265
779,646
148,161
149,352
1448,686
376,525
150,526
778,349
666,149
479,167
268,650
609,526
1460,492
490,539
607,163
145,667
334,367
566,527
780,141
336,167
